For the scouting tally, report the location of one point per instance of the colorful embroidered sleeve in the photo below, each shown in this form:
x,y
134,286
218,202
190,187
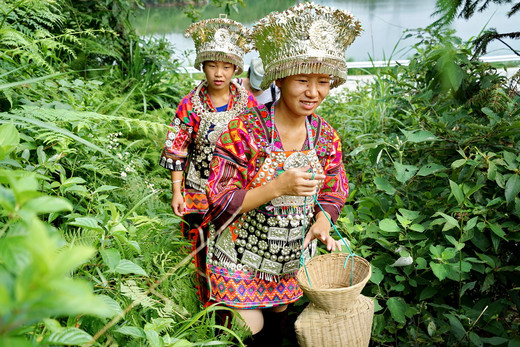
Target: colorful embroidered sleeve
x,y
335,188
231,166
184,127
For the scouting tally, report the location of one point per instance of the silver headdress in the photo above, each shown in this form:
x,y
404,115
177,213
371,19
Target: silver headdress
x,y
219,39
307,38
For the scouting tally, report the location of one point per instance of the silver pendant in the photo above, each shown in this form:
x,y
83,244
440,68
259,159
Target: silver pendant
x,y
296,160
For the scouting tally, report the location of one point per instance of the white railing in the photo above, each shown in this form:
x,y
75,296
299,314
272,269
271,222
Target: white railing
x,y
387,63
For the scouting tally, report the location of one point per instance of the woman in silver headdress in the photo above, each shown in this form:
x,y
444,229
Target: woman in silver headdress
x,y
277,179
201,116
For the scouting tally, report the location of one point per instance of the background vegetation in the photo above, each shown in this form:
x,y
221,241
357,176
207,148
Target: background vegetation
x,y
90,253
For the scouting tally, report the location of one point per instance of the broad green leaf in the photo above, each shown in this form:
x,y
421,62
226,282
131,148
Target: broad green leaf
x,y
68,336
495,202
456,326
458,163
465,266
440,271
488,282
111,303
402,220
9,139
389,225
428,292
397,288
131,331
475,339
377,306
495,340
471,223
429,169
404,172
14,253
52,325
511,160
489,112
377,275
512,187
417,227
72,181
488,260
47,204
451,239
449,253
452,74
497,229
87,223
134,245
153,338
111,257
409,214
384,185
118,228
105,188
457,192
71,257
126,266
419,136
432,328
42,156
76,189
492,171
421,263
397,308
450,221
436,251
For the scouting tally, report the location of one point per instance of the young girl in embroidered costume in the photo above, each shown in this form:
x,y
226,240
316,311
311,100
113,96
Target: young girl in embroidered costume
x,y
273,164
201,116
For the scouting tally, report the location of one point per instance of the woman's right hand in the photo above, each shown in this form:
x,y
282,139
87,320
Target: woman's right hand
x,y
298,182
178,205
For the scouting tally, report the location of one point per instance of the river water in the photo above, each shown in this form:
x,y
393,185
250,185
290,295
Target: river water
x,y
384,23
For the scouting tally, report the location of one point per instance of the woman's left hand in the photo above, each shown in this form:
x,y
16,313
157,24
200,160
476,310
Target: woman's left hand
x,y
320,230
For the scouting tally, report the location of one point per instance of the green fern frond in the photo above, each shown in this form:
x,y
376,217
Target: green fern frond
x,y
160,325
130,289
13,38
82,237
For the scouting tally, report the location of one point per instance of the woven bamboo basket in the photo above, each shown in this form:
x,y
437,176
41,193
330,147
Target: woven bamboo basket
x,y
329,288
341,328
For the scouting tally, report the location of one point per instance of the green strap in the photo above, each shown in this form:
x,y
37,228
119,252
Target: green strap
x,y
350,255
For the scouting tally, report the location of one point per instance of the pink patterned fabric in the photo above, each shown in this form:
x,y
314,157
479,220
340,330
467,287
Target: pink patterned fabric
x,y
239,154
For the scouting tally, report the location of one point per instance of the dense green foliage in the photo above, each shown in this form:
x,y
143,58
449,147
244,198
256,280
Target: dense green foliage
x,y
433,154
90,253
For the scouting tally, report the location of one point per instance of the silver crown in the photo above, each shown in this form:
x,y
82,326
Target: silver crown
x,y
307,38
219,39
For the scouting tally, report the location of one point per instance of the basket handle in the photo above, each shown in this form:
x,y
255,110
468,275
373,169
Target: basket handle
x,y
350,255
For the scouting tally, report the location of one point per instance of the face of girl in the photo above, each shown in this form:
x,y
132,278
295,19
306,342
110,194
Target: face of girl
x,y
218,74
302,94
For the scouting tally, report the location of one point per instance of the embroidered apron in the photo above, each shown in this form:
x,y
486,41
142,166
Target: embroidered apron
x,y
268,240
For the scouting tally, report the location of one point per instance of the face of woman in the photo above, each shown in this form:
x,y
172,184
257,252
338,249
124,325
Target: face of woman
x,y
302,94
218,74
